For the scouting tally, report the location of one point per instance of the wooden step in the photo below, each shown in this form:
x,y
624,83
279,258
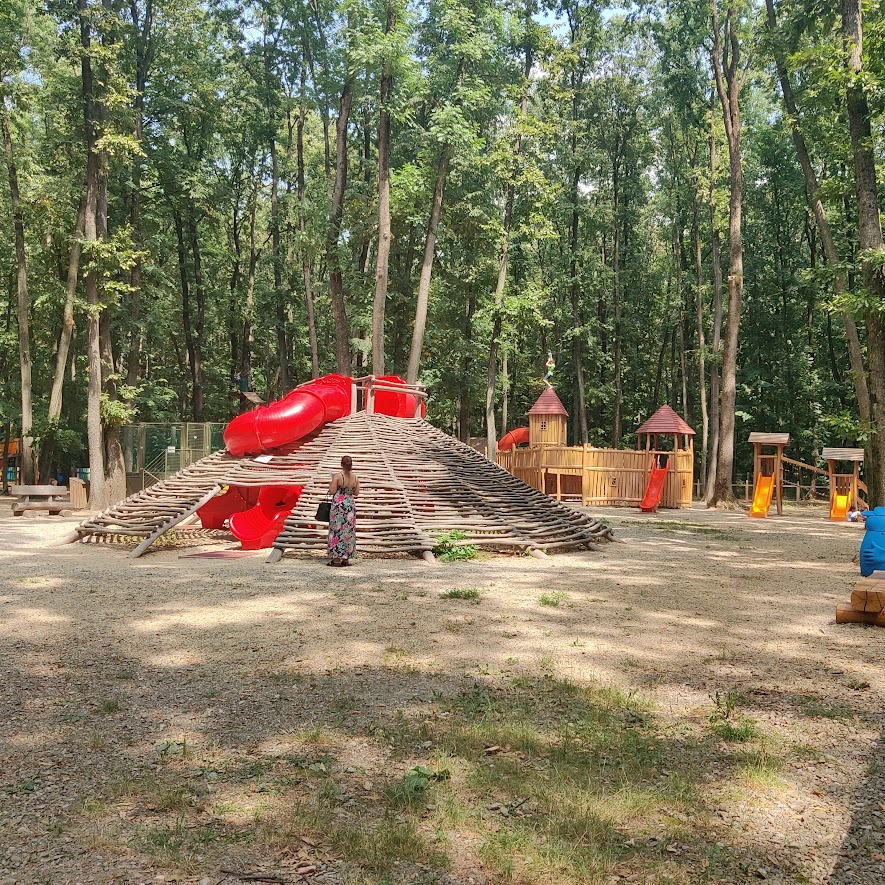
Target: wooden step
x,y
847,614
868,595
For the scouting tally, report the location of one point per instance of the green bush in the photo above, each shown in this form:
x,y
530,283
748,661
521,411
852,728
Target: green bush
x,y
450,549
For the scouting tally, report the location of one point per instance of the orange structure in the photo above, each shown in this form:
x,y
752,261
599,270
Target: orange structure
x,y
768,472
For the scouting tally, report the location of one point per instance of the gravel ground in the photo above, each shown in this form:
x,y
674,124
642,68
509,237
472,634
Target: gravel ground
x,y
105,660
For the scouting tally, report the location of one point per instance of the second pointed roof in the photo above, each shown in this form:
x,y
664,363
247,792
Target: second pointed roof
x,y
665,420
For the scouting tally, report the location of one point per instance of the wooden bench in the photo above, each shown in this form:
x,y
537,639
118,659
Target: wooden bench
x,y
32,499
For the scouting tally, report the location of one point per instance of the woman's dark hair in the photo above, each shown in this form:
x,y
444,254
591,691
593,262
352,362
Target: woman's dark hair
x,y
347,462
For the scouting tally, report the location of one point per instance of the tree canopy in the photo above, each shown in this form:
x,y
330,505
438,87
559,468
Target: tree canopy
x,y
676,200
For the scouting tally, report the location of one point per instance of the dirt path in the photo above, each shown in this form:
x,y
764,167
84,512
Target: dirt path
x,y
172,719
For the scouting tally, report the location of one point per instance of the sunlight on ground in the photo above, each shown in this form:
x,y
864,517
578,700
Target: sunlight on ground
x,y
677,708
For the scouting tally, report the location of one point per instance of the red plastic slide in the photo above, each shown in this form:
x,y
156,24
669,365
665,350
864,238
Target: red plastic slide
x,y
236,499
655,488
259,526
289,419
306,409
515,438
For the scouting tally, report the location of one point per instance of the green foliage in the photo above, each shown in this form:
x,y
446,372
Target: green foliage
x,y
471,594
202,273
450,547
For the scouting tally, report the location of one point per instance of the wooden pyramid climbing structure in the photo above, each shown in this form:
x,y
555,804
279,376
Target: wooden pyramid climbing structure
x,y
417,483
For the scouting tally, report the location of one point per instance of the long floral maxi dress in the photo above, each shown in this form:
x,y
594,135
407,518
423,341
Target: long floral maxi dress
x,y
342,524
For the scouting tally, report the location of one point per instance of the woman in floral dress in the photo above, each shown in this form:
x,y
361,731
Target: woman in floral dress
x,y
344,488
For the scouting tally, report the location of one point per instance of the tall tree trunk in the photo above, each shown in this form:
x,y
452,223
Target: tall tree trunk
x,y
302,229
187,313
702,344
465,399
199,321
680,300
812,190
616,297
247,340
729,79
115,472
382,259
491,375
427,267
21,278
870,240
336,287
67,326
716,262
92,117
574,293
143,58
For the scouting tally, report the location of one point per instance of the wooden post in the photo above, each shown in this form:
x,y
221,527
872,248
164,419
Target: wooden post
x,y
585,478
779,479
370,402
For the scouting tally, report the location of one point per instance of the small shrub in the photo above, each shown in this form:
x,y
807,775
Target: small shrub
x,y
724,706
471,594
552,599
449,548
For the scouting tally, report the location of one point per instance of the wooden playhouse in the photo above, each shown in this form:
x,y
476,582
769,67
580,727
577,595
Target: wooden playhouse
x,y
601,476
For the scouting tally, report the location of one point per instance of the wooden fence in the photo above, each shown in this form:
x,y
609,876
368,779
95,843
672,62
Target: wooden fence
x,y
595,476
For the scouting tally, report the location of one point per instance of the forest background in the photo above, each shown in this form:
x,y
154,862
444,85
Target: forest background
x,y
678,201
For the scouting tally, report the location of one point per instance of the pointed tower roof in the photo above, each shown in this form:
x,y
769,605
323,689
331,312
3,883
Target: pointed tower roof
x,y
665,420
548,403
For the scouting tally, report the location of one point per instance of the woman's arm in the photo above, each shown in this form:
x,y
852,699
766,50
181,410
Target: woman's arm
x,y
333,486
356,488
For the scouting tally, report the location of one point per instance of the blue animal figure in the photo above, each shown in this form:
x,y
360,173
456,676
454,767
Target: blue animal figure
x,y
872,548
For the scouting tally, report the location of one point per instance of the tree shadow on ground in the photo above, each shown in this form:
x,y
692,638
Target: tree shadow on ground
x,y
861,858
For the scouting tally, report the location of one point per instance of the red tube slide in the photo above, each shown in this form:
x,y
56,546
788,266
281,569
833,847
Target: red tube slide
x,y
258,527
289,419
306,409
515,438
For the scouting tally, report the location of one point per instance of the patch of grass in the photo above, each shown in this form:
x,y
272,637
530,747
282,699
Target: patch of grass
x,y
471,594
814,708
552,599
110,705
727,722
553,778
736,732
759,768
381,846
411,789
697,528
127,672
396,652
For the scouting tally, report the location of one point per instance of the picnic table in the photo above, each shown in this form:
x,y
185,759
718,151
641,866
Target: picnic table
x,y
33,499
